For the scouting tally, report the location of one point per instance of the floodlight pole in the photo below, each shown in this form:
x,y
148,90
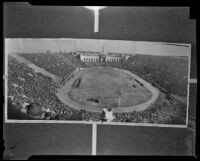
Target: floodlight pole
x,y
119,101
119,94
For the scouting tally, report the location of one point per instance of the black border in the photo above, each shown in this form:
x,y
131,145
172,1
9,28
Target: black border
x,y
193,15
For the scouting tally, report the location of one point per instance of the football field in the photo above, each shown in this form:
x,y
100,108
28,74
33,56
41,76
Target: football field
x,y
96,88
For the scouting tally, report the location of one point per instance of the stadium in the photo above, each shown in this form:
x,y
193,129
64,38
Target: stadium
x,y
77,85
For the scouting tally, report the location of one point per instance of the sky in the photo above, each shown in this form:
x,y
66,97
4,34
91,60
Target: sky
x,y
115,46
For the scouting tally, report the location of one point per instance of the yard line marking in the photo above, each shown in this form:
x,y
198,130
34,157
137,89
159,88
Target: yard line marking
x,y
94,139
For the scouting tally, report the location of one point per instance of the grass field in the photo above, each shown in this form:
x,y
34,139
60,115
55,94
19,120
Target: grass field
x,y
102,85
98,88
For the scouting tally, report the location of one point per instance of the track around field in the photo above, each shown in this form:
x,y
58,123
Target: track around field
x,y
65,91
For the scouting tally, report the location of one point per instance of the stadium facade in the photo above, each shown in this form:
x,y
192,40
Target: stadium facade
x,y
89,56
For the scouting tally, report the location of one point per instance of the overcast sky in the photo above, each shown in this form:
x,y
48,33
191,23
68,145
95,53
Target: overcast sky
x,y
116,46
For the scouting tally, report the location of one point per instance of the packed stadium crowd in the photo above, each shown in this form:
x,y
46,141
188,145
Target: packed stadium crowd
x,y
55,63
165,72
26,86
160,113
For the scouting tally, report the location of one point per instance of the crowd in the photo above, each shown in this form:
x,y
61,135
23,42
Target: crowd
x,y
165,72
55,63
26,86
162,112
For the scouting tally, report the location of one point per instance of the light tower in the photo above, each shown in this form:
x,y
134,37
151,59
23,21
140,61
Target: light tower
x,y
103,53
119,93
